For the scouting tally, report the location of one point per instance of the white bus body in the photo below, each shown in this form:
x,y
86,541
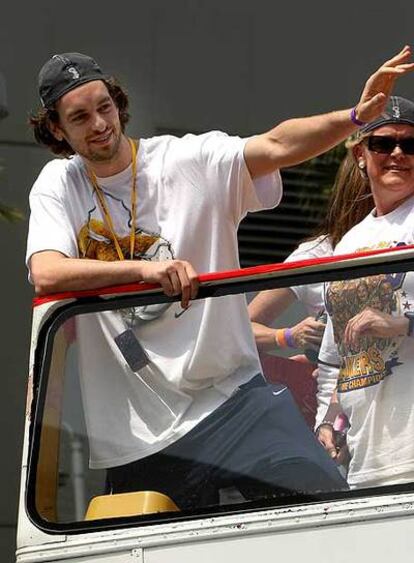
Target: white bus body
x,y
365,525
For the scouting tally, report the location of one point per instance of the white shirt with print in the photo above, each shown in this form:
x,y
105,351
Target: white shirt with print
x,y
375,379
192,194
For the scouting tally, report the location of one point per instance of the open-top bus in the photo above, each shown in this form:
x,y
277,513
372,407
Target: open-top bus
x,y
66,513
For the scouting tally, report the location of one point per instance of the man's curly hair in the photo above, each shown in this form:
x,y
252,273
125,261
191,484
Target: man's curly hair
x,y
40,121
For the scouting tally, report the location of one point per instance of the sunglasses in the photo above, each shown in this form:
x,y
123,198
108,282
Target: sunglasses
x,y
385,144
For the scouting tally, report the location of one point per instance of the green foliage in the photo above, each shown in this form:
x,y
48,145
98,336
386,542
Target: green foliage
x,y
11,214
7,213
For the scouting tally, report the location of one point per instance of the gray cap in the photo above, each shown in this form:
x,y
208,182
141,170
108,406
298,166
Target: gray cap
x,y
397,110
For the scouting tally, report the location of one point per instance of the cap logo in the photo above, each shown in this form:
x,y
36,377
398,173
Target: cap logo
x,y
396,111
73,72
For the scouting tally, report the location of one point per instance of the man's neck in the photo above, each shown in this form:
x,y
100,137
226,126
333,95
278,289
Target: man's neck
x,y
119,162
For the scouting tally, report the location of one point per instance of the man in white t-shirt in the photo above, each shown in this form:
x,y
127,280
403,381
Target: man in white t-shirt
x,y
117,210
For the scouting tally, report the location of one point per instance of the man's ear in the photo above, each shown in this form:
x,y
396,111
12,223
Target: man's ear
x,y
56,130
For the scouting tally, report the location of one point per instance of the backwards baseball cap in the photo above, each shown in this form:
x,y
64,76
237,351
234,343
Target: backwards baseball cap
x,y
397,110
62,73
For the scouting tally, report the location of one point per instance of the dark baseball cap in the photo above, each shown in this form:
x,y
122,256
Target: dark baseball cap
x,y
62,73
397,110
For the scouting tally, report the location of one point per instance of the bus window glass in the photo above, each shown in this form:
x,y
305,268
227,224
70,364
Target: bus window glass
x,y
142,416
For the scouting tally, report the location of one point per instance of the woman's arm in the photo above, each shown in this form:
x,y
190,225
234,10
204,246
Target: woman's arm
x,y
333,440
269,304
263,310
266,307
372,322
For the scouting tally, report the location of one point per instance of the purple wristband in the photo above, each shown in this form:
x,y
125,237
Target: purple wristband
x,y
354,118
290,341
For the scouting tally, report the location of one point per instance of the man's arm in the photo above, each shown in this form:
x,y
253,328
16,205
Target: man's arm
x,y
52,272
328,371
296,140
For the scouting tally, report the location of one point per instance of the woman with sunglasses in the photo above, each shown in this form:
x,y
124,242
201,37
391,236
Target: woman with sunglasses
x,y
367,349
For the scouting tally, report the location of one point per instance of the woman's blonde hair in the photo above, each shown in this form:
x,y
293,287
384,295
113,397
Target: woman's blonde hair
x,y
350,200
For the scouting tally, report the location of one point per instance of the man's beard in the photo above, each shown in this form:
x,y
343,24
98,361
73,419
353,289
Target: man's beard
x,y
104,154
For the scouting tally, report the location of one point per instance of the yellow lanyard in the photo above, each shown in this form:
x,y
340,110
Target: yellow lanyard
x,y
105,210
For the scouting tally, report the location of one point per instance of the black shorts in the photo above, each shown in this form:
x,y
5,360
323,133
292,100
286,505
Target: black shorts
x,y
257,441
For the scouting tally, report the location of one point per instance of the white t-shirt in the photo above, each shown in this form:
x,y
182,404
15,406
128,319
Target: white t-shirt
x,y
311,295
375,379
192,194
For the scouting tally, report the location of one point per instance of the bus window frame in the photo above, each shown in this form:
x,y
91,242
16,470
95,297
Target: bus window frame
x,y
216,285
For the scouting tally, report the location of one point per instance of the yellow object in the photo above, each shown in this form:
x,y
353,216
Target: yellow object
x,y
129,504
48,462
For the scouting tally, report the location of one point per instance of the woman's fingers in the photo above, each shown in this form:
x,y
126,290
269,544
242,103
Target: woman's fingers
x,y
326,437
